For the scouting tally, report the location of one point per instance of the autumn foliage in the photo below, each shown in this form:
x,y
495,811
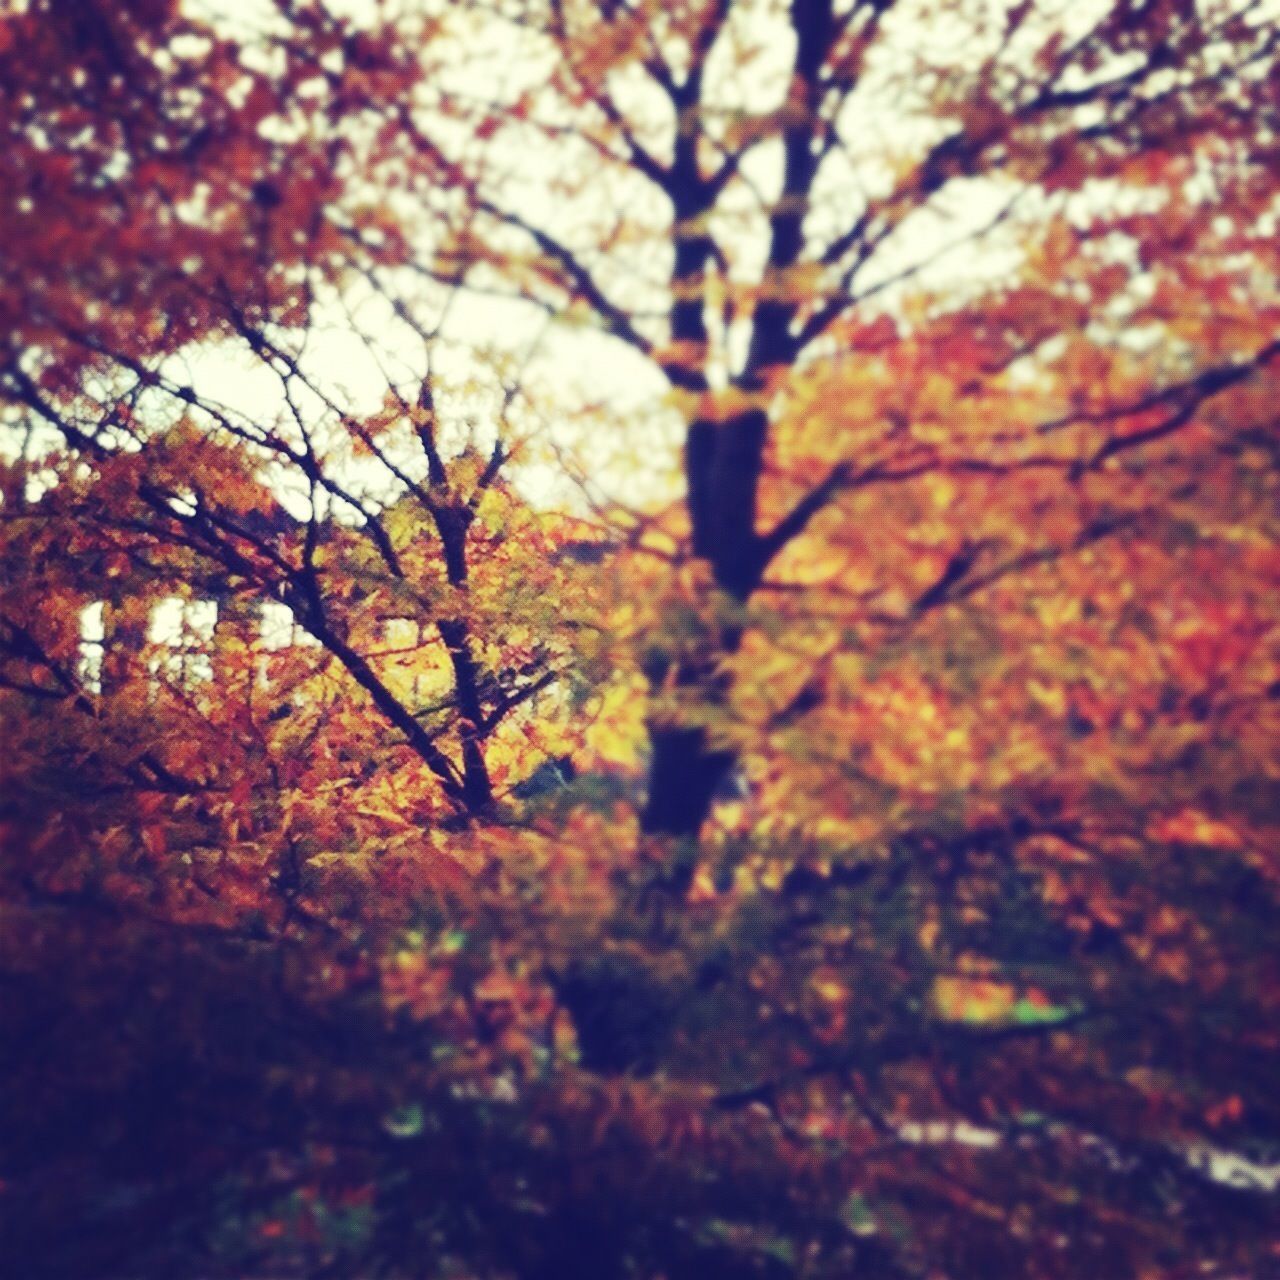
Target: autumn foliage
x,y
640,640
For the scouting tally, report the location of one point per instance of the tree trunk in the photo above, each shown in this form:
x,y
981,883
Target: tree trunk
x,y
723,462
684,773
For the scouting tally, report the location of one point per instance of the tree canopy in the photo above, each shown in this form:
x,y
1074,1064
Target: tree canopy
x,y
640,640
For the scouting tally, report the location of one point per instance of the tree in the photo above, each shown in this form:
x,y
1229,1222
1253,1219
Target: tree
x,y
829,826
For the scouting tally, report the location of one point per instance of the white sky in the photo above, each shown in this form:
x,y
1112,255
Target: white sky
x,y
590,370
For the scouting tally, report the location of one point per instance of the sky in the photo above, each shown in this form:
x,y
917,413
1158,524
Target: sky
x,y
586,377
589,369
593,383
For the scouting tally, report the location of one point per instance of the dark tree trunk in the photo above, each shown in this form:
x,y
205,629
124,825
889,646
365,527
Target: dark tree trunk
x,y
477,790
723,462
724,459
683,776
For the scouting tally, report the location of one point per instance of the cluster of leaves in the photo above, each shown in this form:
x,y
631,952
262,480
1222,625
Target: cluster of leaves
x,y
863,863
